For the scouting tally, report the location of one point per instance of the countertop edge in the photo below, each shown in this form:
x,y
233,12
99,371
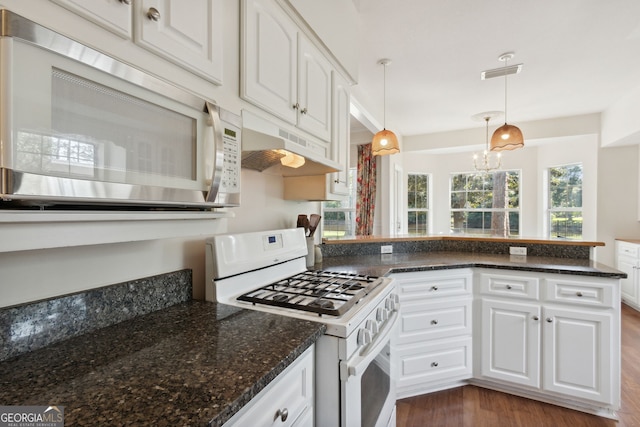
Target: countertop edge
x,y
514,240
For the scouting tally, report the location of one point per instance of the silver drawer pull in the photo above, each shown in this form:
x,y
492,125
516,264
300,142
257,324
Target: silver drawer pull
x,y
434,322
153,14
508,286
434,364
536,318
579,294
283,414
550,319
434,288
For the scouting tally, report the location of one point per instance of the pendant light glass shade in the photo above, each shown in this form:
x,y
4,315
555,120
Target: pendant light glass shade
x,y
384,142
506,137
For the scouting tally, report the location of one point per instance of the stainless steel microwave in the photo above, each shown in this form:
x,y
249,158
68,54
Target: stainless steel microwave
x,y
78,127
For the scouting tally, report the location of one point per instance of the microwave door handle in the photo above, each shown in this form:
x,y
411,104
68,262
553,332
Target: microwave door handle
x,y
359,362
218,151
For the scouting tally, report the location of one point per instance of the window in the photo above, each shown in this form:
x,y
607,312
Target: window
x,y
339,216
565,202
486,204
418,204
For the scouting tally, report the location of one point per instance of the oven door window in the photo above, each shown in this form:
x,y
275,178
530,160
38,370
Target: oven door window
x,y
374,388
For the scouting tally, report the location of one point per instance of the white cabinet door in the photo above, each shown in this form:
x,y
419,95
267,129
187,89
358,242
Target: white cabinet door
x,y
186,32
510,344
629,286
113,15
314,90
269,59
578,356
340,140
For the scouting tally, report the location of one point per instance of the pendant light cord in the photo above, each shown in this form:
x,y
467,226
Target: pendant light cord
x,y
506,60
384,96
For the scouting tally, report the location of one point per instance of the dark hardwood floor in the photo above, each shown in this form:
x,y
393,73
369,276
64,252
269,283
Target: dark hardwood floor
x,y
474,406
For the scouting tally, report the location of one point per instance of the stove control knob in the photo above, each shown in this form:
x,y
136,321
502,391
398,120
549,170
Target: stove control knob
x,y
390,304
372,326
364,337
381,314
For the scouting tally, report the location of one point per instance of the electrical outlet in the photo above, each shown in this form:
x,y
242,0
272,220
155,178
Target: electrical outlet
x,y
517,250
386,249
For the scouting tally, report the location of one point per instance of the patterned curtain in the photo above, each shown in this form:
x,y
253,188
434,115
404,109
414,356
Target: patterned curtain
x,y
366,198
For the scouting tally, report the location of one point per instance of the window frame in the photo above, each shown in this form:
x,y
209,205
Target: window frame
x,y
550,209
427,210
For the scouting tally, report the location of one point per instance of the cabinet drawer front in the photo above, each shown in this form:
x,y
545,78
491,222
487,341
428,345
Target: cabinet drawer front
x,y
510,286
443,360
291,390
628,249
581,293
420,285
435,319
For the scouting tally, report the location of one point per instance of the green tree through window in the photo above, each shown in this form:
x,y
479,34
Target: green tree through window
x,y
418,204
565,202
486,203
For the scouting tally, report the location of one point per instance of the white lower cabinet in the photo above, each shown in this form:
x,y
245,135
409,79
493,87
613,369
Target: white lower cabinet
x,y
434,344
628,260
546,336
287,401
559,340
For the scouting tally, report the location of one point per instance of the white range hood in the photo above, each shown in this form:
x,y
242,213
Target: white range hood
x,y
261,136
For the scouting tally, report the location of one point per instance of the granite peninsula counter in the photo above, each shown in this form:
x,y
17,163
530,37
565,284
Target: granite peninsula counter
x,y
194,363
422,253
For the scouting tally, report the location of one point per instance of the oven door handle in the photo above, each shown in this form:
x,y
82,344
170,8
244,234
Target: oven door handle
x,y
356,365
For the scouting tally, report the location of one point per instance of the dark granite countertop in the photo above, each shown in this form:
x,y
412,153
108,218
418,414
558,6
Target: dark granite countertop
x,y
381,265
192,364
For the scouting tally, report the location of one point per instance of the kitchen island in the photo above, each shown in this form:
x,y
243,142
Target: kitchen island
x,y
194,363
542,327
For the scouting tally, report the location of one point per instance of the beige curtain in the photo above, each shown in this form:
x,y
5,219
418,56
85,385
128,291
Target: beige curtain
x,y
366,197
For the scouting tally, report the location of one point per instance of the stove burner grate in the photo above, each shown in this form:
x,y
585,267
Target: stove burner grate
x,y
322,292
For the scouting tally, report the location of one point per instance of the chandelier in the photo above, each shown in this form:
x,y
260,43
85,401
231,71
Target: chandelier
x,y
487,162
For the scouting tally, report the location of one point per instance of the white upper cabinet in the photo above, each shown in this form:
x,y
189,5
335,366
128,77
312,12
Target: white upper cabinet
x,y
340,141
188,33
282,71
113,15
185,32
269,59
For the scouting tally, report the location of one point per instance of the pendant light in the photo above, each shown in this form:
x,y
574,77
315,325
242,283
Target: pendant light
x,y
384,142
488,163
506,137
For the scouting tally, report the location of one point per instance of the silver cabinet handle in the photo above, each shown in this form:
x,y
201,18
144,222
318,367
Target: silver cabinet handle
x,y
434,322
127,2
536,318
508,286
550,319
434,288
153,14
579,294
283,414
434,364
303,111
296,106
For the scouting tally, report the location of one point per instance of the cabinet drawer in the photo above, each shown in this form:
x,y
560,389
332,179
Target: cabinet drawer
x,y
581,293
433,284
504,285
434,319
628,249
291,390
437,361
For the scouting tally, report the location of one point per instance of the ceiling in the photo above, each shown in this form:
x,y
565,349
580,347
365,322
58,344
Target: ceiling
x,y
579,57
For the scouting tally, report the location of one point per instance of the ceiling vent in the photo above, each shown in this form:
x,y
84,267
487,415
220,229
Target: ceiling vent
x,y
500,72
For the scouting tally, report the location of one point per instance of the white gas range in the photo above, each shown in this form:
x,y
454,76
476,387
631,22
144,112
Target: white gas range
x,y
267,271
